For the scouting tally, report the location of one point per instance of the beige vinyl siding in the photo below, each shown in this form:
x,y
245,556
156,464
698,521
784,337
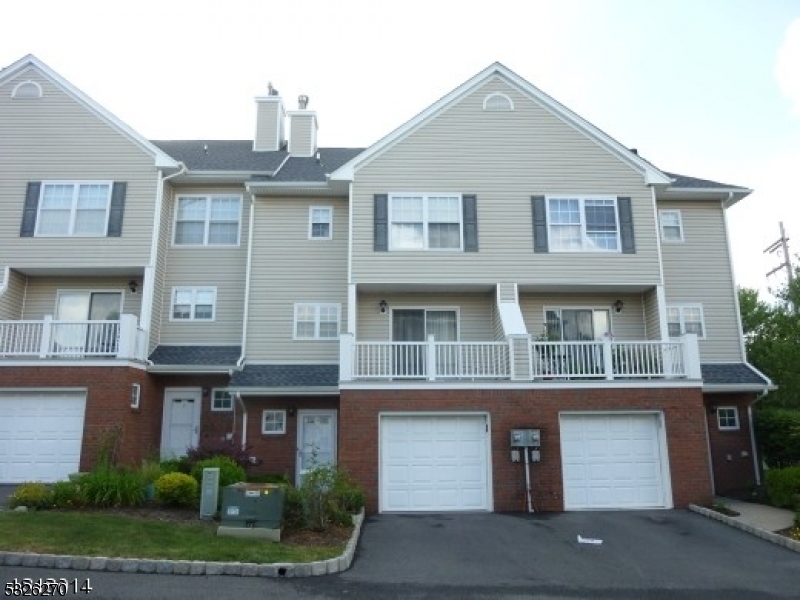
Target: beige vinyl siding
x,y
12,301
223,267
301,136
288,268
626,325
159,291
269,115
698,271
475,314
56,138
504,158
652,322
42,293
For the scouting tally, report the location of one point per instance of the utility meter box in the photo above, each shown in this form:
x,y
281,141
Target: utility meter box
x,y
526,438
252,510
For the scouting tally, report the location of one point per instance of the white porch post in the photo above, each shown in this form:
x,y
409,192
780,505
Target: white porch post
x,y
347,345
352,308
430,361
691,356
608,359
47,336
127,336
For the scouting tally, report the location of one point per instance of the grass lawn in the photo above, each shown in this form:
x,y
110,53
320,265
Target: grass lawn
x,y
120,536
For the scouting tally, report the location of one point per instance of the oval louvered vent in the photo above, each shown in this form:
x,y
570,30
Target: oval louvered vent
x,y
497,102
27,90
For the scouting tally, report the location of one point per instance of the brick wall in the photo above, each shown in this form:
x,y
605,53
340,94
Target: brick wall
x,y
731,451
109,420
510,409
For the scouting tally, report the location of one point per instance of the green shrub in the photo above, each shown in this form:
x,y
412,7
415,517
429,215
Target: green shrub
x,y
176,489
32,494
329,497
112,486
278,478
783,485
293,514
229,470
175,465
778,434
150,471
67,494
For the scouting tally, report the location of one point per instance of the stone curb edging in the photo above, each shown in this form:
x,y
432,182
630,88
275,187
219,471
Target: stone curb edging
x,y
189,567
780,540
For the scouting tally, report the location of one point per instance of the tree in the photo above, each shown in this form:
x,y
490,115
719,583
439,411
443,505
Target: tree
x,y
772,338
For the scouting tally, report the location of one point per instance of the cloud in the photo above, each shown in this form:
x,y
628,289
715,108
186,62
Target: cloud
x,y
787,67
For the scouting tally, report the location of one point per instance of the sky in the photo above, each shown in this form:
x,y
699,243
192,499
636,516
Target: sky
x,y
707,88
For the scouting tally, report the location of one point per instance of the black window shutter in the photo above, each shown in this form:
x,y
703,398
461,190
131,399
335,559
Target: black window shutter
x,y
626,225
29,210
539,224
470,209
117,209
381,217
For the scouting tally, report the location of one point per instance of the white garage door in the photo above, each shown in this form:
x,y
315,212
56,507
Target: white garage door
x,y
40,435
434,463
612,461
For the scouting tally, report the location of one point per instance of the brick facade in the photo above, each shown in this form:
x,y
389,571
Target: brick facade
x,y
510,409
731,451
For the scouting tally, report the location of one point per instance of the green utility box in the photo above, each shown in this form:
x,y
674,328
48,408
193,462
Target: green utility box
x,y
252,510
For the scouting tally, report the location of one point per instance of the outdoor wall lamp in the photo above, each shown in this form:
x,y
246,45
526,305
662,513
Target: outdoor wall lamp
x,y
132,285
292,411
618,306
383,306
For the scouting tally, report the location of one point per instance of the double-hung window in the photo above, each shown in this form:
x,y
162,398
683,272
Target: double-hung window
x,y
221,401
73,209
316,321
273,422
207,220
685,318
193,303
425,222
671,225
727,418
320,223
580,224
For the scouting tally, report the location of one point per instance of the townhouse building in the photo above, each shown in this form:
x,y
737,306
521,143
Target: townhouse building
x,y
497,264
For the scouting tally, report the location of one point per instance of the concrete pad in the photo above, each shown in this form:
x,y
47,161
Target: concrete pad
x,y
760,516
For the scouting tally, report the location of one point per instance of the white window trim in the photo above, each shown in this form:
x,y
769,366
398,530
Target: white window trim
x,y
680,225
317,306
563,307
311,222
213,397
17,93
425,220
73,209
488,98
586,246
722,427
207,221
427,309
277,412
681,306
193,290
89,292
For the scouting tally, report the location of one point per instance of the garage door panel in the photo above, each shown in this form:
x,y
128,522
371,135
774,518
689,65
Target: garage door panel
x,y
447,463
42,435
611,461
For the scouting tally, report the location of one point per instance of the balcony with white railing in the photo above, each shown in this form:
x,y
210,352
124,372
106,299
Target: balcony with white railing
x,y
56,339
519,359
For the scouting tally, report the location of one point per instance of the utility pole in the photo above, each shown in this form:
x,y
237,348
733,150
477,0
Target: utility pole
x,y
782,245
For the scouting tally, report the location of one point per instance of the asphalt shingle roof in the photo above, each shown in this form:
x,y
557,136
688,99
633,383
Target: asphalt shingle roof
x,y
196,355
730,374
238,155
288,376
684,181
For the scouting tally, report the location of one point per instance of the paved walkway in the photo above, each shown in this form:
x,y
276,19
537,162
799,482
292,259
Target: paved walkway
x,y
764,517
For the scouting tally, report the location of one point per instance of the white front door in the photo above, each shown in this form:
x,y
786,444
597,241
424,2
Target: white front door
x,y
180,428
316,440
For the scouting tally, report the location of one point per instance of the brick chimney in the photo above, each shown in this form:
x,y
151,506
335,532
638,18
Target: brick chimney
x,y
302,130
270,119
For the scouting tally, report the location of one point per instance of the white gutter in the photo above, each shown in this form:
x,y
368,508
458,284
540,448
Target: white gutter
x,y
239,400
246,309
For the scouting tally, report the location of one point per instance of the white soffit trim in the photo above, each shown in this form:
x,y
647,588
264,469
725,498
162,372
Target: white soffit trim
x,y
162,159
652,175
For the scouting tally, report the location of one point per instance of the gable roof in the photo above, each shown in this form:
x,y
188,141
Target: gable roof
x,y
651,174
726,377
161,159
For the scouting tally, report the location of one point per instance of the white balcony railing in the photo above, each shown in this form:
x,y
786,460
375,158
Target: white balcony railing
x,y
50,338
512,360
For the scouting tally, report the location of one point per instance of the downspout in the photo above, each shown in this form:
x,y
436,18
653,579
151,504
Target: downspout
x,y
753,447
246,308
241,403
154,245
